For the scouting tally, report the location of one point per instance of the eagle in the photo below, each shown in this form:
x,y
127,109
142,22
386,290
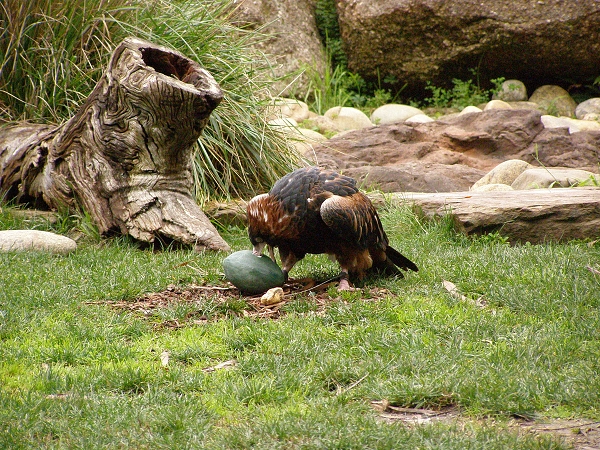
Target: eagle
x,y
314,210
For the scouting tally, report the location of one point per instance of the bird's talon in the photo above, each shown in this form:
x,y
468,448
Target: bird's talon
x,y
345,285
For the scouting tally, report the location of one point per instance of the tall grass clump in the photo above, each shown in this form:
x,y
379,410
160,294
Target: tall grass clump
x,y
52,54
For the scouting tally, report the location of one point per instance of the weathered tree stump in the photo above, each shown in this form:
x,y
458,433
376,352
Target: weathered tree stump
x,y
126,155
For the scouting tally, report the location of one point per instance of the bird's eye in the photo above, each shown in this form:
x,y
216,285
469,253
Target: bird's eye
x,y
259,240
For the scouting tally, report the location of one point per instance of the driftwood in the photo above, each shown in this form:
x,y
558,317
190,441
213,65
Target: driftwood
x,y
126,155
535,215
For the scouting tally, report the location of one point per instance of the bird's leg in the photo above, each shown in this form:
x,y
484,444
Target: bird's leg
x,y
288,260
272,253
344,284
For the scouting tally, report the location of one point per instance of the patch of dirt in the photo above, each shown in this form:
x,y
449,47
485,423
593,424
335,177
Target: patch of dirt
x,y
149,304
415,416
581,434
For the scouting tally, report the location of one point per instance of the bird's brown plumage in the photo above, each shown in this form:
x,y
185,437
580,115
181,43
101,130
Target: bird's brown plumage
x,y
313,210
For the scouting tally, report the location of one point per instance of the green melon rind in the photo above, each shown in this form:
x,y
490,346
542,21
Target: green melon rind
x,y
252,274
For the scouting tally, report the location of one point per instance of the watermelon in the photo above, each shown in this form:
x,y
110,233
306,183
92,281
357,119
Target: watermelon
x,y
252,274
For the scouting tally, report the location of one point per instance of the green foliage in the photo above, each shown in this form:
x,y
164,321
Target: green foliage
x,y
329,30
339,86
329,89
462,94
52,54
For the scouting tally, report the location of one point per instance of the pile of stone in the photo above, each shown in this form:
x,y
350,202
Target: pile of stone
x,y
555,141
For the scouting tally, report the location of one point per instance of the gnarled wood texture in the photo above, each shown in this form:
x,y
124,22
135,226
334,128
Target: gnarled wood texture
x,y
126,155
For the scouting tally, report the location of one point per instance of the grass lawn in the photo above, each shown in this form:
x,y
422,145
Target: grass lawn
x,y
523,342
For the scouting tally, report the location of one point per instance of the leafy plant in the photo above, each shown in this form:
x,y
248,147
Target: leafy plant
x,y
329,89
462,94
329,30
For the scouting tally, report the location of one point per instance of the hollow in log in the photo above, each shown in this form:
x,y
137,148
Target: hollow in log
x,y
126,155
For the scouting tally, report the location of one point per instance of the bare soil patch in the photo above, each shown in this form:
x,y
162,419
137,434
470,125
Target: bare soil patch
x,y
149,304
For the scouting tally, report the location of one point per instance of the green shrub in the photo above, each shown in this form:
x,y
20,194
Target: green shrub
x,y
463,93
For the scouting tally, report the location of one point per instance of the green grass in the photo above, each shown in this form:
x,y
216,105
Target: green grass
x,y
78,374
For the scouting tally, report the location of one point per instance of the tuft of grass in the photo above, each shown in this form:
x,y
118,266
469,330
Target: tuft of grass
x,y
52,54
328,90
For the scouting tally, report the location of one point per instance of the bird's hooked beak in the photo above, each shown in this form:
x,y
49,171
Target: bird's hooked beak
x,y
258,248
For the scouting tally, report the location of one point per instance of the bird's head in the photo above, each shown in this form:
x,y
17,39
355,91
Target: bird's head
x,y
268,223
257,245
258,213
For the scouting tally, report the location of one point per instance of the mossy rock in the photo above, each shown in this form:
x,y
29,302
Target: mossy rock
x,y
252,274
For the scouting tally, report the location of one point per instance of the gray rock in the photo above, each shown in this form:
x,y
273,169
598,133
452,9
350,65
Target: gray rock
x,y
393,113
449,149
293,41
324,125
573,125
497,104
504,173
346,118
536,216
525,105
28,240
592,116
470,109
288,108
512,91
555,147
554,100
552,177
429,40
492,187
589,106
419,118
416,176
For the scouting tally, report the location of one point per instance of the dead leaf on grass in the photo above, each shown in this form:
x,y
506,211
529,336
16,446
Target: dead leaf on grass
x,y
414,416
593,270
223,365
164,358
57,396
451,287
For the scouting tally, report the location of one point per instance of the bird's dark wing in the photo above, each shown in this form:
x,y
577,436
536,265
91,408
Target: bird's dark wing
x,y
354,220
296,188
331,181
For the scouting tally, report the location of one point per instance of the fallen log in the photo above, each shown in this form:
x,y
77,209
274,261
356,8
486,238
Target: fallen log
x,y
534,215
126,156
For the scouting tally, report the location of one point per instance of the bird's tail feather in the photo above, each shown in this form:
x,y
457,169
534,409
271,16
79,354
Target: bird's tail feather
x,y
400,260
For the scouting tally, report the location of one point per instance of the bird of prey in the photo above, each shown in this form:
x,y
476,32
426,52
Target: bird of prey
x,y
313,210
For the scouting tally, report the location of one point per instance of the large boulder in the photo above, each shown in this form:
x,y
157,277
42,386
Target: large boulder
x,y
427,40
293,41
452,154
